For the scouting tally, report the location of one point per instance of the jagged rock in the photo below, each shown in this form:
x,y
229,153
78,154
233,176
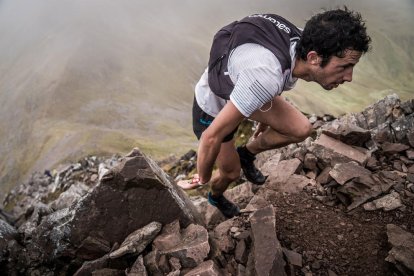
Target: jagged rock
x,y
138,268
7,233
294,184
379,112
363,188
402,127
392,148
136,242
221,236
268,160
207,212
281,177
69,196
281,171
132,195
382,133
6,217
388,202
193,247
310,161
256,203
402,252
266,249
169,237
372,163
410,154
102,170
241,252
293,257
241,194
33,217
26,195
324,177
152,263
207,268
331,152
347,171
346,130
410,137
175,263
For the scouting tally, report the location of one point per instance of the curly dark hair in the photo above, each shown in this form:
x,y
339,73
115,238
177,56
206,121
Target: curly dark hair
x,y
332,32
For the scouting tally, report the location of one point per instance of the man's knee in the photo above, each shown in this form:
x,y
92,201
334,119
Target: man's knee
x,y
302,132
232,175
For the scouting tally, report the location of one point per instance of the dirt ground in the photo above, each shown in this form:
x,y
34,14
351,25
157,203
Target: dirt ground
x,y
353,243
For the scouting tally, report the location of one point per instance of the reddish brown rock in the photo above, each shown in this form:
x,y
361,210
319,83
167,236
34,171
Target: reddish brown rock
x,y
193,248
136,242
402,252
221,236
392,148
282,177
281,171
241,253
169,237
365,187
346,131
138,268
347,171
293,257
324,177
294,184
152,263
310,161
257,202
410,138
332,151
266,248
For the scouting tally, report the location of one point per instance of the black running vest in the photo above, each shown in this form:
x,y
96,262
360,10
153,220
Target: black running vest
x,y
271,31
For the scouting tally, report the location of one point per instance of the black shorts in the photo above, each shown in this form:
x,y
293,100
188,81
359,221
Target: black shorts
x,y
202,120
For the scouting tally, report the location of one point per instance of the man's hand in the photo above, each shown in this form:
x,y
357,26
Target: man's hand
x,y
259,130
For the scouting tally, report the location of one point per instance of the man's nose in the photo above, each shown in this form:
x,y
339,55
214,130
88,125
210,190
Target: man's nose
x,y
348,75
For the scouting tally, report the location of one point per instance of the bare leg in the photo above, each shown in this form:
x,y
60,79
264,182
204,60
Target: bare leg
x,y
228,164
286,125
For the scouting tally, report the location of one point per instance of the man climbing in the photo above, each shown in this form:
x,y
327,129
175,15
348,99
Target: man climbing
x,y
252,61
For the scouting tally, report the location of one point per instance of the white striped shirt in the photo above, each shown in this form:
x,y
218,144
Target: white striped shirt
x,y
257,77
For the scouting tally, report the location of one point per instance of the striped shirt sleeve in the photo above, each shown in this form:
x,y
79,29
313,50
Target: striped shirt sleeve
x,y
257,77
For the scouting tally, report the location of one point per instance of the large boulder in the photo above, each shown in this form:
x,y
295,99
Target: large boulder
x,y
128,197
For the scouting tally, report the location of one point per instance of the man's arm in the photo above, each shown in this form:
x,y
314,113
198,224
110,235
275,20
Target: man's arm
x,y
225,122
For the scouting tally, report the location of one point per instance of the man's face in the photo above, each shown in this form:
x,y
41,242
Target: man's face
x,y
338,70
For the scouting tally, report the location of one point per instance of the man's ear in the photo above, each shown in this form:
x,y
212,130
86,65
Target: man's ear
x,y
313,58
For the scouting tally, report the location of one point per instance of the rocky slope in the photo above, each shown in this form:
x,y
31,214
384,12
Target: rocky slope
x,y
339,203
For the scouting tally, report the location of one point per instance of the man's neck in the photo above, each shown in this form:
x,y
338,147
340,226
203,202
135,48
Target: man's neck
x,y
301,70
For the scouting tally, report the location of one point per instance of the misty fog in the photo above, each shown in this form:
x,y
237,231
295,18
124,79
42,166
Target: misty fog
x,y
84,77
